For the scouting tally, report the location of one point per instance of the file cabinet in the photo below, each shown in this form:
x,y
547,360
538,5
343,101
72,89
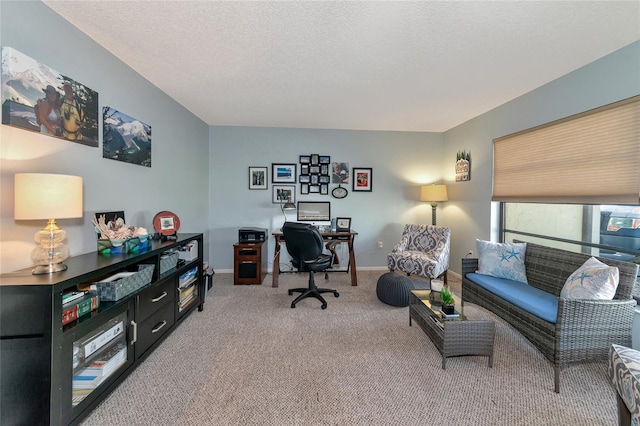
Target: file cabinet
x,y
249,263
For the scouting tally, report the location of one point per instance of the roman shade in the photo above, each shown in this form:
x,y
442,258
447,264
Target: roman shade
x,y
588,158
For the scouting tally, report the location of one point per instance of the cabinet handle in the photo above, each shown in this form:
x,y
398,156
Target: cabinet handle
x,y
135,332
159,327
162,296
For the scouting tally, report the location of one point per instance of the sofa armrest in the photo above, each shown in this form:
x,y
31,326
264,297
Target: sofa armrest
x,y
469,265
587,328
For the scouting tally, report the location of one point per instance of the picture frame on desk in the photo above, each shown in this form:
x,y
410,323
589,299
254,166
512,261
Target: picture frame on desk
x,y
343,224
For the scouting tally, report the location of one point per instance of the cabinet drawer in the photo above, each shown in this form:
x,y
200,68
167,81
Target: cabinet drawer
x,y
248,252
154,327
154,298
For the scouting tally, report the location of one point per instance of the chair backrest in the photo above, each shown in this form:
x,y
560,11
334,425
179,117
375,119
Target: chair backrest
x,y
426,238
303,241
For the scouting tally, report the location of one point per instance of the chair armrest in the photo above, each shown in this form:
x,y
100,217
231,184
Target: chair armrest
x,y
332,244
402,245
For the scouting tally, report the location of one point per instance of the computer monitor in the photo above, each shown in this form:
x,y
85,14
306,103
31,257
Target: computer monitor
x,y
318,213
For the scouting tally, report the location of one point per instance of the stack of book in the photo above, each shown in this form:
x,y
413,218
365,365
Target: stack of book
x,y
90,377
78,303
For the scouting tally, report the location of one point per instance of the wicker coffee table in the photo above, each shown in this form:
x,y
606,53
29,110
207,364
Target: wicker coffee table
x,y
471,333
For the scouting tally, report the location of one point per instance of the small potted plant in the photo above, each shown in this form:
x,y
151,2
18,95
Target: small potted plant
x,y
448,302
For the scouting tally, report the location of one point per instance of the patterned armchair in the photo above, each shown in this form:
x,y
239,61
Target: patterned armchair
x,y
423,250
624,371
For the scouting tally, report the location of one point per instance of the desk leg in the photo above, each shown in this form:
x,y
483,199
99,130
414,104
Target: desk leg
x,y
352,263
276,264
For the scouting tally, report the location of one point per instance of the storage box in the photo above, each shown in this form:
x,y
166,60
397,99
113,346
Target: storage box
x,y
168,261
124,283
131,245
189,252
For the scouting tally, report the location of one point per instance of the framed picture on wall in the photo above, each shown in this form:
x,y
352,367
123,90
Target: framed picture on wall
x,y
283,194
257,178
362,179
283,173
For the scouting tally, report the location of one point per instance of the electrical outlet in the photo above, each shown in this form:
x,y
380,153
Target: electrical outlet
x,y
380,244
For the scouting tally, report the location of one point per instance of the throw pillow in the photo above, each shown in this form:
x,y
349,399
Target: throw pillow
x,y
594,280
502,260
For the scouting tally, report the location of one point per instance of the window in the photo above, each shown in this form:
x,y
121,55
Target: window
x,y
611,231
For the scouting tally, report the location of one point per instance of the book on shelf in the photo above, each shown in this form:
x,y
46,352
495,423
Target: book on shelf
x,y
96,372
101,339
70,297
188,277
79,307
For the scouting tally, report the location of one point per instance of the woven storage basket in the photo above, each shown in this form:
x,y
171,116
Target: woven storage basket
x,y
168,261
122,284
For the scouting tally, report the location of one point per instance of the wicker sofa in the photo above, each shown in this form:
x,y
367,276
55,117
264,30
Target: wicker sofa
x,y
584,329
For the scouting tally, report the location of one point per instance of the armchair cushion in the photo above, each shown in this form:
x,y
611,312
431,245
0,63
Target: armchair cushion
x,y
593,280
624,370
502,260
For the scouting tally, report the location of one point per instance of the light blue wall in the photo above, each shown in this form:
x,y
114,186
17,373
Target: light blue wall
x,y
177,180
610,79
401,161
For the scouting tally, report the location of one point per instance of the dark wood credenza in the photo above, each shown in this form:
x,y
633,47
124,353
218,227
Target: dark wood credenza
x,y
39,356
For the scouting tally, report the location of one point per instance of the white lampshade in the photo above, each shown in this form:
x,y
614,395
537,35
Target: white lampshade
x,y
433,193
47,196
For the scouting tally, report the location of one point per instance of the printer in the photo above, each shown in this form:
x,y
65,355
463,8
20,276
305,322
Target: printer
x,y
252,235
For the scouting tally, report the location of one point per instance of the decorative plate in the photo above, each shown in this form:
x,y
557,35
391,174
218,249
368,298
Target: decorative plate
x,y
166,223
339,192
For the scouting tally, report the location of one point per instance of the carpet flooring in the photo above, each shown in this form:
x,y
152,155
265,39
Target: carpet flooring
x,y
249,359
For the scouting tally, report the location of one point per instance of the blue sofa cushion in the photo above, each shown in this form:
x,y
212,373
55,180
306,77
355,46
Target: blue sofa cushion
x,y
533,300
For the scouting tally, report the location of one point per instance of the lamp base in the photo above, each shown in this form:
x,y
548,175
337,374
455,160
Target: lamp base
x,y
49,269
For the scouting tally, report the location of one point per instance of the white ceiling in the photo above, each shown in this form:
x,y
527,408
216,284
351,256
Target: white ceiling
x,y
383,65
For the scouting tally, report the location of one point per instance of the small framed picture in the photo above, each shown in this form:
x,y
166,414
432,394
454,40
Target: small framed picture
x,y
305,159
324,169
314,169
324,188
304,188
283,194
325,159
362,179
315,159
257,178
315,179
314,188
304,169
343,224
305,178
283,173
324,179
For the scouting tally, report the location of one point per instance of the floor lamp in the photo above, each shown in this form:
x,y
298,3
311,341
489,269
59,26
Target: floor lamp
x,y
433,194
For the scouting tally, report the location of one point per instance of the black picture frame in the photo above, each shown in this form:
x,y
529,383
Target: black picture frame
x,y
283,194
362,179
283,173
258,178
304,159
343,224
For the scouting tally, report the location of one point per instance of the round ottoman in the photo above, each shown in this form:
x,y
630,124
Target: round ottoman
x,y
393,289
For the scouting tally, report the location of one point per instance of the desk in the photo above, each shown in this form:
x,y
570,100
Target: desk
x,y
346,237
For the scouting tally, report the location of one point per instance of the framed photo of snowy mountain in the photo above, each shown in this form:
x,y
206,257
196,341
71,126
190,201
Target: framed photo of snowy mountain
x,y
125,139
41,100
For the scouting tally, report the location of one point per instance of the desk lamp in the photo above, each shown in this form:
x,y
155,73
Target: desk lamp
x,y
48,196
434,194
288,206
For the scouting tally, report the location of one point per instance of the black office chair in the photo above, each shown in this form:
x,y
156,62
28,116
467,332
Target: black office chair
x,y
304,244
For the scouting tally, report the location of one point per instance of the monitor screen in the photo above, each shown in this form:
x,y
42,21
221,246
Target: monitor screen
x,y
314,211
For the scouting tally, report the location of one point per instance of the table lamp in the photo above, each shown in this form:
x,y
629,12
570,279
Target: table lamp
x,y
48,196
288,206
434,194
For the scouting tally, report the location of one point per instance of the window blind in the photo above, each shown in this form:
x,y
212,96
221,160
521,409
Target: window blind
x,y
588,158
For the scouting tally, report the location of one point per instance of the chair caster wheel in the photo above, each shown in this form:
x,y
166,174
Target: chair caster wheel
x,y
290,292
336,294
324,306
293,306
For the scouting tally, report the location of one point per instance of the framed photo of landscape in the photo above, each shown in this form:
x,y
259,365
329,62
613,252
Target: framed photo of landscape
x,y
283,173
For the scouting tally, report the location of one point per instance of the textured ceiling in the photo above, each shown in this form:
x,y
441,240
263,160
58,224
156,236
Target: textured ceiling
x,y
408,66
